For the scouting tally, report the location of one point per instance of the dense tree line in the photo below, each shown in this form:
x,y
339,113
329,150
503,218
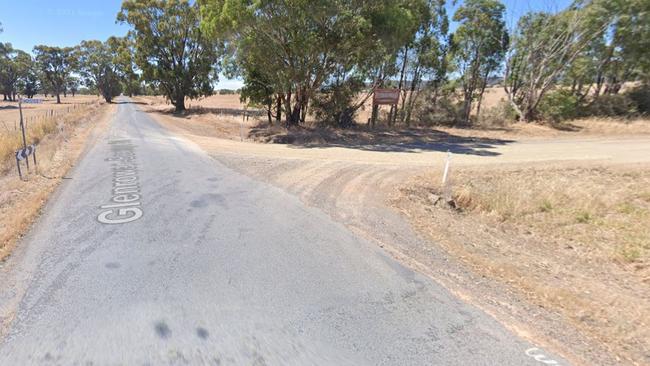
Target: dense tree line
x,y
326,58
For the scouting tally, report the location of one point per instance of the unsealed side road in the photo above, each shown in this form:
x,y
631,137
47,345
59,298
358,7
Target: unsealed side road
x,y
154,253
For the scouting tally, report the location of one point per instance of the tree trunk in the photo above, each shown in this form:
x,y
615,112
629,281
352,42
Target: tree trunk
x,y
480,96
58,98
394,109
278,109
303,113
179,104
373,118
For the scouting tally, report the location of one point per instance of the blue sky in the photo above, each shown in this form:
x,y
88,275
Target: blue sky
x,y
28,23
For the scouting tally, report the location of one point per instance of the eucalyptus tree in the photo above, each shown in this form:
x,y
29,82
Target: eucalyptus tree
x,y
123,49
14,67
426,66
97,66
171,48
55,65
543,47
291,51
478,47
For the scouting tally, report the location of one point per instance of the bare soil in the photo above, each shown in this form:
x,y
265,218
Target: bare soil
x,y
551,239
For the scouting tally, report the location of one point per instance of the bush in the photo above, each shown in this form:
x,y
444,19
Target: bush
x,y
611,105
500,115
558,106
640,96
334,105
444,112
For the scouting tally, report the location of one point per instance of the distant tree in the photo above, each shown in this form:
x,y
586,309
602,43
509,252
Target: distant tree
x,y
479,46
31,83
124,59
14,67
170,47
98,67
55,64
72,85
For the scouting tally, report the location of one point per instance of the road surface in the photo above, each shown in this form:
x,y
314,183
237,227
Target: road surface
x,y
154,253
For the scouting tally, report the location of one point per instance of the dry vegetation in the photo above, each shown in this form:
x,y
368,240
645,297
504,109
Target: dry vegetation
x,y
40,119
570,239
61,139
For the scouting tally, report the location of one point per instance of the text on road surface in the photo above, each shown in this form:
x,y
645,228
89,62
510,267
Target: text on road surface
x,y
125,199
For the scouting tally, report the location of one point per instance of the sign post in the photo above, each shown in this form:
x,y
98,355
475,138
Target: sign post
x,y
22,127
383,97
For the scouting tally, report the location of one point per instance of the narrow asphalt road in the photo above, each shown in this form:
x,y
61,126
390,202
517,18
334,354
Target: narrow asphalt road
x,y
152,253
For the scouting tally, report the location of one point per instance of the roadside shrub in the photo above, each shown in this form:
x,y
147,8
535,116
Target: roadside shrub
x,y
611,105
445,112
640,96
498,116
558,106
335,104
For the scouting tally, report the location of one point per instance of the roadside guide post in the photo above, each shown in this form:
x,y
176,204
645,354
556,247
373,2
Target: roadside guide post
x,y
445,175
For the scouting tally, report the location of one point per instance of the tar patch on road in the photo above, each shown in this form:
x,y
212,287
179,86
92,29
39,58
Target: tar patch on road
x,y
124,206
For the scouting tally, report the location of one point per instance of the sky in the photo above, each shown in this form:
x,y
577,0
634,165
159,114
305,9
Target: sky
x,y
28,23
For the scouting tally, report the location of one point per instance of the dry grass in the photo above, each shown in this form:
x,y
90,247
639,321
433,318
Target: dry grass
x,y
570,239
603,206
40,120
58,149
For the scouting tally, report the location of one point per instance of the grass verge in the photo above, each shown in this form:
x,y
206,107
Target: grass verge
x,y
574,240
60,142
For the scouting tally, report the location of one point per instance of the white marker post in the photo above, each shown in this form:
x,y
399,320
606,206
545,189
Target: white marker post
x,y
445,175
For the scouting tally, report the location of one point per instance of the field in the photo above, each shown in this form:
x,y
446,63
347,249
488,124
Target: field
x,y
40,119
550,235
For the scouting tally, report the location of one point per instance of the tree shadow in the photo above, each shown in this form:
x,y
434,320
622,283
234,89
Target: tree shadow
x,y
566,126
199,110
128,102
407,141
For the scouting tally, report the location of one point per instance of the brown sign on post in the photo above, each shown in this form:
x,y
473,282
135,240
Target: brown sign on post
x,y
386,96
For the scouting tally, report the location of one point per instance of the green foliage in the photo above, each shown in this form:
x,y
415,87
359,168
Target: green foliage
x,y
334,105
640,96
292,49
499,115
170,47
124,61
558,106
98,67
478,47
611,105
15,67
56,64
